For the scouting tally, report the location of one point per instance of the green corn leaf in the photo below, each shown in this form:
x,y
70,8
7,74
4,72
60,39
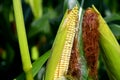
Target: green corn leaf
x,y
116,30
113,17
38,26
37,65
36,7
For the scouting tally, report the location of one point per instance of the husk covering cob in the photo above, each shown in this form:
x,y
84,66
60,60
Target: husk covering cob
x,y
58,63
110,47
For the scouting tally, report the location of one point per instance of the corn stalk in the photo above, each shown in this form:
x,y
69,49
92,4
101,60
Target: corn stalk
x,y
26,62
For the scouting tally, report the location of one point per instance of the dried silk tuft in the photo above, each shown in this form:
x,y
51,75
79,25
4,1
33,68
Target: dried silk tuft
x,y
90,37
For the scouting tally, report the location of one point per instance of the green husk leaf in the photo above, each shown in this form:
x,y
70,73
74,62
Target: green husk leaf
x,y
110,46
57,48
84,71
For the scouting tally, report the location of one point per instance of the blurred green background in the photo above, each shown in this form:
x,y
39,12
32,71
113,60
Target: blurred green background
x,y
42,19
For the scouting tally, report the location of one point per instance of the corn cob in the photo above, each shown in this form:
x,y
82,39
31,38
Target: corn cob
x,y
58,64
110,46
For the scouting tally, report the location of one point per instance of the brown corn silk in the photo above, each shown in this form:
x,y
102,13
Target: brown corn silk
x,y
74,64
90,37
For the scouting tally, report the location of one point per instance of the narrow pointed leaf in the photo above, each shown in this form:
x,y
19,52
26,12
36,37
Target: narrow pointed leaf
x,y
36,65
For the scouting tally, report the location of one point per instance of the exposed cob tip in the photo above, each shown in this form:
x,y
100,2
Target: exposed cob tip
x,y
62,66
61,51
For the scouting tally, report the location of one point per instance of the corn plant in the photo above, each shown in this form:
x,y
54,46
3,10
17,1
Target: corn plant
x,y
85,44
